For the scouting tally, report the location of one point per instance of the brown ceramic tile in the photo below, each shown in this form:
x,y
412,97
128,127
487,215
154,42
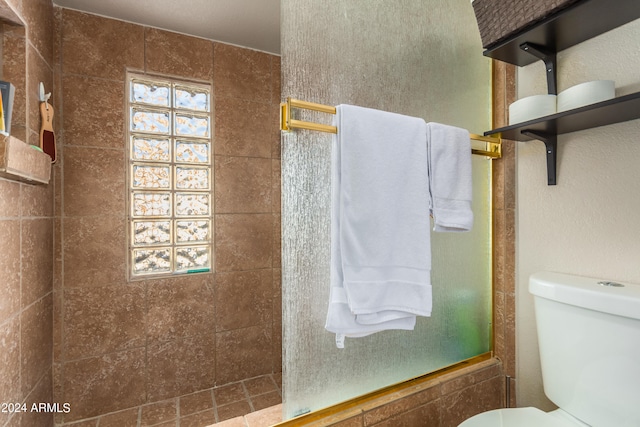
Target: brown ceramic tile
x,y
99,320
243,353
510,73
243,241
196,402
120,419
277,377
13,27
41,392
229,394
499,94
10,268
400,406
243,185
104,384
513,397
266,400
155,413
180,367
504,223
474,376
276,182
242,73
276,86
9,199
94,251
36,200
14,420
172,423
180,307
94,182
198,420
56,181
460,405
57,37
510,335
89,49
84,423
35,342
178,54
33,137
37,262
427,415
94,112
36,418
57,254
58,322
497,191
10,363
233,410
510,179
38,15
277,241
276,138
243,128
260,385
510,249
243,299
499,325
58,395
13,66
499,234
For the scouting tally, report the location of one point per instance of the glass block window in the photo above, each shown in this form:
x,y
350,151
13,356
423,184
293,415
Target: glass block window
x,y
170,176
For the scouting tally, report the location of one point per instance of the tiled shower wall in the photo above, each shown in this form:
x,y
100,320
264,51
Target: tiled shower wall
x,y
26,226
120,344
504,230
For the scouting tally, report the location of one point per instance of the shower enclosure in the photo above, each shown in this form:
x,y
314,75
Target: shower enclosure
x,y
415,57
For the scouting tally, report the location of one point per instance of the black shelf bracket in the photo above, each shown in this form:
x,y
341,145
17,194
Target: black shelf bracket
x,y
551,143
549,59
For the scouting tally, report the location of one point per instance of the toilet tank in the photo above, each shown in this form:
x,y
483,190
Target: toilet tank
x,y
589,339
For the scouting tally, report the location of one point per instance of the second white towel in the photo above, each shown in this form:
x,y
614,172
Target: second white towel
x,y
449,150
381,253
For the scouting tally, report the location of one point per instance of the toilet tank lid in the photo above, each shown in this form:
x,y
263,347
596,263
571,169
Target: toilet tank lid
x,y
588,293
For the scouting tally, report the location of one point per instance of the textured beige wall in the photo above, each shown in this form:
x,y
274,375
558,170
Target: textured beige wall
x,y
589,223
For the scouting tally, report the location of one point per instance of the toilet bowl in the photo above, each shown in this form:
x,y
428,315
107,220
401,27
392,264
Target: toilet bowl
x,y
589,339
522,417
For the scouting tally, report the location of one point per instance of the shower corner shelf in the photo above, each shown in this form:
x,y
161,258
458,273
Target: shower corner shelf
x,y
20,162
575,24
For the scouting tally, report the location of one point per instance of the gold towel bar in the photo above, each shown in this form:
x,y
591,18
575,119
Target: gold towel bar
x,y
493,146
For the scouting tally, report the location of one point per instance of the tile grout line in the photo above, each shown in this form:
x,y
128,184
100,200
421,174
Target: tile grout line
x,y
246,393
216,417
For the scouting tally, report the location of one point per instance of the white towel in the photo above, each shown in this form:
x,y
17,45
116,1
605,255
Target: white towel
x,y
380,243
449,150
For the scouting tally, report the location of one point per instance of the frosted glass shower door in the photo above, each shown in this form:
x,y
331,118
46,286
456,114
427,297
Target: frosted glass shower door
x,y
417,57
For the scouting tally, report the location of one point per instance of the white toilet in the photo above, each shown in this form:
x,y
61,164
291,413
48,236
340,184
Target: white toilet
x,y
589,338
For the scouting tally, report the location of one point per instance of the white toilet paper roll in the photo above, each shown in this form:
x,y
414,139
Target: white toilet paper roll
x,y
532,107
586,93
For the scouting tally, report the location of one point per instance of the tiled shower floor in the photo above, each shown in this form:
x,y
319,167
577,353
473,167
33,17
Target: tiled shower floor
x,y
227,404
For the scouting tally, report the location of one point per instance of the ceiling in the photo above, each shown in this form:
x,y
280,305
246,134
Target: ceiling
x,y
254,24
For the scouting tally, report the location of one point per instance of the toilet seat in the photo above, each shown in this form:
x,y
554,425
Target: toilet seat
x,y
519,417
